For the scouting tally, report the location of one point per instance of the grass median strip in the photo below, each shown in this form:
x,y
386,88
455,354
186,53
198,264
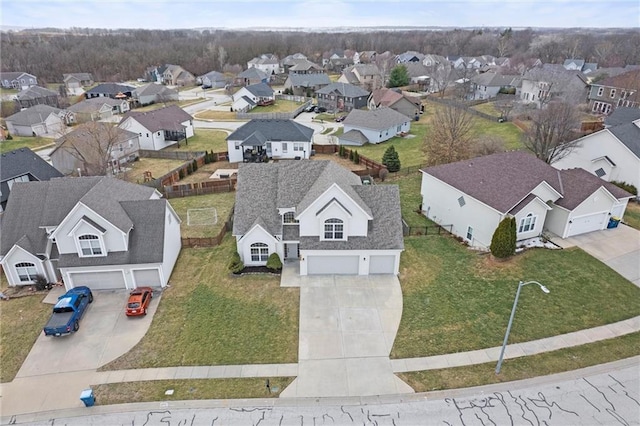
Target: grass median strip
x,y
526,367
122,393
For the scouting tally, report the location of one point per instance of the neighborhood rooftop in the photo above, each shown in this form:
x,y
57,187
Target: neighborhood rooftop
x,y
378,119
167,118
287,130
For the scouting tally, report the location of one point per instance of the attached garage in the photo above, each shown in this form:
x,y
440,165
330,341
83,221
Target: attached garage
x,y
107,280
382,264
340,265
147,277
587,223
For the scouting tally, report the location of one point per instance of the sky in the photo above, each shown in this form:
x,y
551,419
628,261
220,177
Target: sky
x,y
173,14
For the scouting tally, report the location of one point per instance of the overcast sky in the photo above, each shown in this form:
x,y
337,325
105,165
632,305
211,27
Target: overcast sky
x,y
165,14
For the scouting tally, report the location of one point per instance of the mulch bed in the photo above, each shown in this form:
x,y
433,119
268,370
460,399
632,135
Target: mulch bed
x,y
248,270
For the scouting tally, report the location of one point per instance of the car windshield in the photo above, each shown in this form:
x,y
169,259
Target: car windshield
x,y
133,305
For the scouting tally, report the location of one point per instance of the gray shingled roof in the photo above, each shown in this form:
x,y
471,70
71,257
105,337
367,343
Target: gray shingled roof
x,y
35,92
214,76
491,79
34,205
309,80
153,89
579,184
499,180
86,135
21,161
253,74
379,119
167,118
629,135
273,130
110,89
94,104
343,89
12,75
622,115
260,89
35,115
288,184
79,75
354,136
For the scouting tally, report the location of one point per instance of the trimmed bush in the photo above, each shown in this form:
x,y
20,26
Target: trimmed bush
x,y
356,158
181,174
273,262
235,265
195,165
626,186
503,242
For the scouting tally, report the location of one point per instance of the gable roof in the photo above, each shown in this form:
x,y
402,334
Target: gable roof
x,y
492,79
82,76
355,136
388,97
260,89
499,180
629,135
344,89
416,69
214,76
94,104
303,65
21,161
579,184
34,205
629,80
85,136
379,119
152,89
167,118
110,89
273,130
35,115
309,80
622,115
253,74
13,75
35,92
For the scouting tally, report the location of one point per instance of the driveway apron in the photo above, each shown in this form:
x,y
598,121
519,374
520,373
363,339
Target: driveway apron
x,y
347,328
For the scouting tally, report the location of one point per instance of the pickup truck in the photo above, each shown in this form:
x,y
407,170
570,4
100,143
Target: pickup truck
x,y
68,311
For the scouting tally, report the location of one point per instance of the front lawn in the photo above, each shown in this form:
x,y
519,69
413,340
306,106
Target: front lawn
x,y
632,215
216,115
203,140
456,300
208,317
223,203
30,142
280,105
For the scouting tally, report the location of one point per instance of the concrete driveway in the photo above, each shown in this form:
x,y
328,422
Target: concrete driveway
x,y
105,334
619,248
347,328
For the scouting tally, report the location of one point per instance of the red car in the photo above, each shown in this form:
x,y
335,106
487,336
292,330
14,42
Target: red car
x,y
139,300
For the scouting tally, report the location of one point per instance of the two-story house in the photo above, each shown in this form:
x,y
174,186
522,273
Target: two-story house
x,y
267,63
36,95
487,85
95,149
249,97
304,66
17,80
396,100
22,165
553,82
622,90
318,215
367,76
159,128
175,75
342,97
251,76
306,84
261,139
99,232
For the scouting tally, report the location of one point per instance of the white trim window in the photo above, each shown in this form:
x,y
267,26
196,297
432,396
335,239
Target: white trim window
x,y
26,271
289,218
259,252
469,233
90,245
298,146
527,223
333,229
600,91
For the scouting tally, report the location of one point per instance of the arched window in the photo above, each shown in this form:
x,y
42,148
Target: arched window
x,y
26,271
333,229
527,223
289,218
259,252
90,245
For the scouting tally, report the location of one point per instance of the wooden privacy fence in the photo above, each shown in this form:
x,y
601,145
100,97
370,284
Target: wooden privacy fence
x,y
200,188
373,167
170,155
210,241
174,175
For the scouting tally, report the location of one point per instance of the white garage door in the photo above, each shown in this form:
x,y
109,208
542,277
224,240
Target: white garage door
x,y
588,223
342,265
147,278
382,264
98,280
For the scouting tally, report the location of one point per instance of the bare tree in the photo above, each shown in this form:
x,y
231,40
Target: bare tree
x,y
450,137
440,78
551,133
487,145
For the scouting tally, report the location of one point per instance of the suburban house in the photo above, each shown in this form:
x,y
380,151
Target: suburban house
x,y
96,109
332,54
99,232
261,139
75,82
17,80
409,56
95,149
251,76
342,97
319,215
175,75
622,90
110,90
249,97
612,154
291,60
159,128
154,93
365,57
396,100
338,65
306,84
431,60
267,63
22,165
377,126
542,84
489,84
418,73
38,120
36,95
304,66
580,65
473,196
213,80
367,76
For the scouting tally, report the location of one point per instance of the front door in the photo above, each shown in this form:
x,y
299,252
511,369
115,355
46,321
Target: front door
x,y
291,251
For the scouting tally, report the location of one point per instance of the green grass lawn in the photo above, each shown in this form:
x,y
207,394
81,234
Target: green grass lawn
x,y
487,108
456,300
204,140
223,203
507,131
410,149
208,317
632,215
281,105
32,143
216,115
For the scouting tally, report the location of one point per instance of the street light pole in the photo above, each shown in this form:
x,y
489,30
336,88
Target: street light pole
x,y
513,314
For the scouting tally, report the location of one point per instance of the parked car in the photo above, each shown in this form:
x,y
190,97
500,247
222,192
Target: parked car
x,y
138,302
340,118
68,311
309,108
319,109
